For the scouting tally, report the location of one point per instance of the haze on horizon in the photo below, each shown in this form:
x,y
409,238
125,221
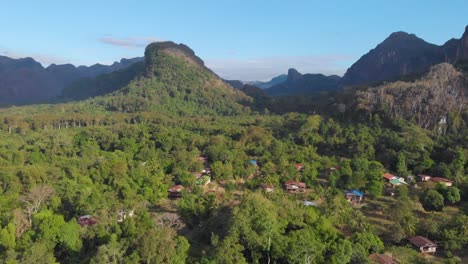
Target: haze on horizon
x,y
238,40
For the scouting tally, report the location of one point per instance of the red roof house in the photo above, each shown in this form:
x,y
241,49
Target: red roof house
x,y
175,191
87,220
443,181
382,259
294,186
423,244
389,176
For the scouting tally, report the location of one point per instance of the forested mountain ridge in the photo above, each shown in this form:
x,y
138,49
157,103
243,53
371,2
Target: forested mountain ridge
x,y
436,100
26,81
175,80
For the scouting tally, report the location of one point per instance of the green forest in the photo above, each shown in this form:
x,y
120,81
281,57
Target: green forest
x,y
91,181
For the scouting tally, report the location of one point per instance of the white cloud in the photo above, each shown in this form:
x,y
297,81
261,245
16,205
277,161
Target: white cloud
x,y
128,42
265,68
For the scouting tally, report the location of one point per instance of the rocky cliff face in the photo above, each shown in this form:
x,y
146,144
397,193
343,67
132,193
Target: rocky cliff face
x,y
462,48
425,102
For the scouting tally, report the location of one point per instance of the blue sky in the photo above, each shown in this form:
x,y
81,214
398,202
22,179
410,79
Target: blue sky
x,y
248,40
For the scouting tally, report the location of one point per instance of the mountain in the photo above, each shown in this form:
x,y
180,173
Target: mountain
x,y
403,54
274,81
26,81
235,83
400,54
431,101
456,50
172,79
304,84
102,84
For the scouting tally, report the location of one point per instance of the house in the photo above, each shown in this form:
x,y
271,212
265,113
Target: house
x,y
397,181
299,166
393,180
87,220
423,244
381,259
267,187
294,186
354,196
253,162
424,178
389,176
443,181
175,191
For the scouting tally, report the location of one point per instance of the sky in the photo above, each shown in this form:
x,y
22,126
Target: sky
x,y
245,40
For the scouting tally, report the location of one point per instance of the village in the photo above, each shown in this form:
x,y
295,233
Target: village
x,y
302,193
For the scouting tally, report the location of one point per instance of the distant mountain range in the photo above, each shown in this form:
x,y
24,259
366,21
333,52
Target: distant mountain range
x,y
259,84
265,85
401,54
297,83
25,81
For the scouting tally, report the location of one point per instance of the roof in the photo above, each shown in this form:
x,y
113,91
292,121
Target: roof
x,y
253,162
299,165
298,184
355,192
440,179
397,182
86,220
389,176
424,176
85,217
382,258
420,241
176,188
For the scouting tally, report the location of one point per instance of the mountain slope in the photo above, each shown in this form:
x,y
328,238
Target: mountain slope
x,y
433,100
400,54
102,84
175,80
304,84
25,81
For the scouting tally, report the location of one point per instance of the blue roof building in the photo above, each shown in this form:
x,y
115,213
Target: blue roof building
x,y
253,162
354,196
